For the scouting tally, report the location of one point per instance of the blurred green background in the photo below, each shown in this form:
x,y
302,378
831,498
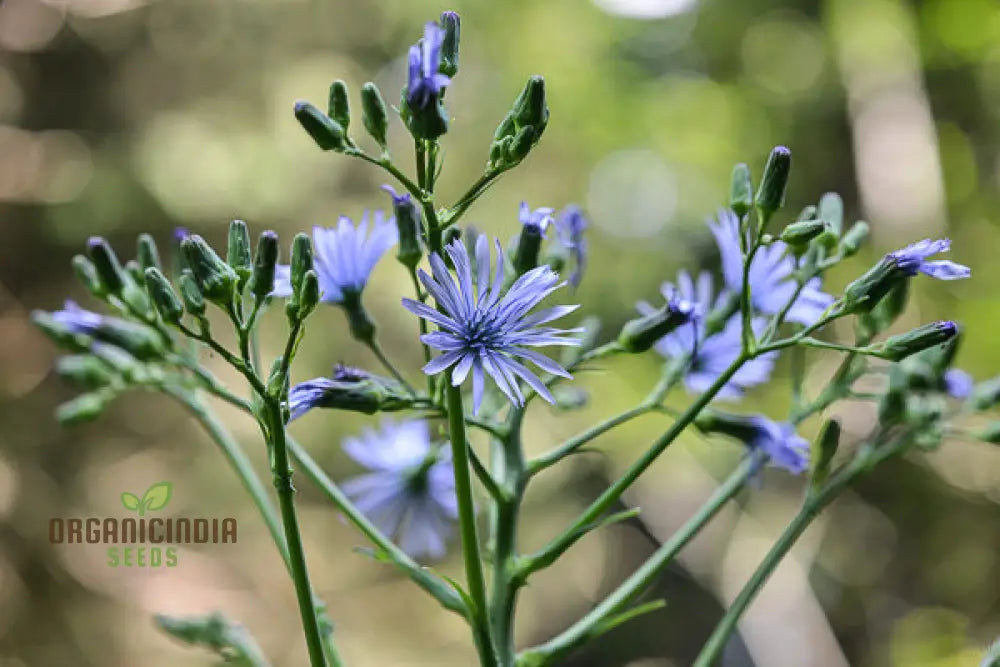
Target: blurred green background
x,y
122,116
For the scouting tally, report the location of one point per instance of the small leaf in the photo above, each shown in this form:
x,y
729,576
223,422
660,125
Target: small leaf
x,y
157,496
130,501
612,622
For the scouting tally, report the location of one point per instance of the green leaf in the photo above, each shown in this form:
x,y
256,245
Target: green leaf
x,y
157,496
130,501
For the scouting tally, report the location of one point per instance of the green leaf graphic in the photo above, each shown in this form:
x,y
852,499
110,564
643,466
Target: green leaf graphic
x,y
130,501
156,497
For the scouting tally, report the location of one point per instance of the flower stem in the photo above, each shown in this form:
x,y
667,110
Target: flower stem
x,y
592,624
384,360
478,614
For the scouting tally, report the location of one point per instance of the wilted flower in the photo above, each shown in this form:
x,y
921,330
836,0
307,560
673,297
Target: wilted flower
x,y
410,493
782,445
344,256
540,218
425,82
771,274
570,225
490,331
714,354
913,259
353,389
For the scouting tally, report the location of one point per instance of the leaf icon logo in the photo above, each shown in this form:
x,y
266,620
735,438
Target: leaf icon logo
x,y
155,498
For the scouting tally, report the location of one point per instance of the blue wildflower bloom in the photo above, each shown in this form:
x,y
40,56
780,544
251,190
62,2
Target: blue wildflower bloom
x,y
540,218
425,82
712,355
913,259
783,446
490,331
570,225
344,256
410,492
957,383
77,319
771,274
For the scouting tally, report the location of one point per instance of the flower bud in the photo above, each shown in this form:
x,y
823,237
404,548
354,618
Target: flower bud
x,y
529,244
531,107
194,302
506,128
831,209
809,212
161,292
302,260
86,274
374,114
351,389
139,340
215,279
741,190
771,193
339,107
986,394
451,24
238,250
59,333
84,370
308,294
570,398
408,223
106,263
326,132
855,236
640,334
83,408
799,234
897,348
147,253
117,359
134,271
864,293
264,261
521,144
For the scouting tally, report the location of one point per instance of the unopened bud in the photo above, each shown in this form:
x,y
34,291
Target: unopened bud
x,y
147,252
83,408
451,24
374,114
408,223
986,394
339,107
351,389
238,250
215,278
771,194
799,234
109,269
86,274
84,370
831,210
326,132
529,245
194,302
308,294
264,262
741,190
302,260
854,238
640,334
531,107
161,293
897,348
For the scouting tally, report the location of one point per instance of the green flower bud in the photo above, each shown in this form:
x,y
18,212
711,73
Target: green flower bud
x,y
59,333
986,394
308,294
302,260
139,340
238,251
771,193
831,209
106,263
339,107
521,144
264,262
428,123
640,334
215,278
118,360
409,224
86,274
134,271
452,25
374,114
897,348
531,107
529,244
326,132
825,449
741,190
855,236
506,128
799,234
193,300
162,294
84,370
352,389
147,253
810,212
83,408
865,293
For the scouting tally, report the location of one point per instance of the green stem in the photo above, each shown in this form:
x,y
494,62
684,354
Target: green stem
x,y
384,360
554,549
282,471
558,453
591,625
478,614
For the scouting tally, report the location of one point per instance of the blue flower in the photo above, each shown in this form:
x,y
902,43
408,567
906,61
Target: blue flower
x,y
78,320
344,256
570,225
540,218
782,445
771,274
957,383
912,260
714,354
491,331
410,492
425,83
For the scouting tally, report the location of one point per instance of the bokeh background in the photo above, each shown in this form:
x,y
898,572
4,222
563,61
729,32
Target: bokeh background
x,y
122,116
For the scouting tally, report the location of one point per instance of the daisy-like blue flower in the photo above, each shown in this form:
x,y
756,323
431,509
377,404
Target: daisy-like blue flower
x,y
410,492
570,225
783,446
913,259
712,355
957,383
482,330
770,275
425,82
344,257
